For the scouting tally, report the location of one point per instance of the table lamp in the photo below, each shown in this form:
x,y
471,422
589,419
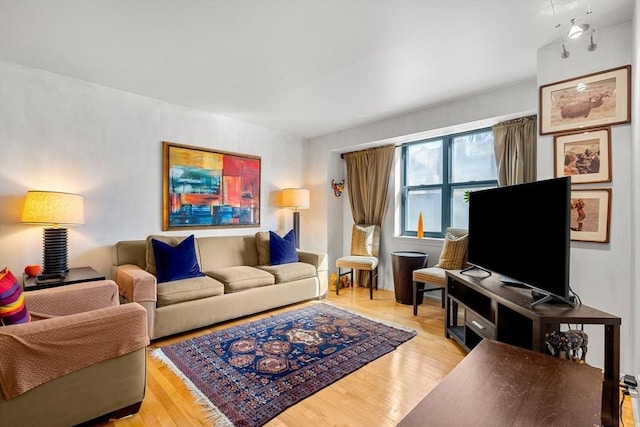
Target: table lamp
x,y
296,199
55,209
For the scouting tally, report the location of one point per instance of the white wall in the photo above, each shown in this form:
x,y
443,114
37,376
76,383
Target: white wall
x,y
600,273
634,321
59,133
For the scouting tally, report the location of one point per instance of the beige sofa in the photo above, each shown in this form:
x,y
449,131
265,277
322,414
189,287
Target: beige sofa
x,y
238,281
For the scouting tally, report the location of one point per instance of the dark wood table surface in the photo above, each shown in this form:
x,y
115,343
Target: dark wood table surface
x,y
499,384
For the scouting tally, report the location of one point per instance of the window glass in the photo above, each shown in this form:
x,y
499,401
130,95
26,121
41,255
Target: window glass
x,y
473,157
436,175
424,163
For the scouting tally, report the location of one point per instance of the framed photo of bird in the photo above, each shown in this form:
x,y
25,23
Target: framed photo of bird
x,y
589,101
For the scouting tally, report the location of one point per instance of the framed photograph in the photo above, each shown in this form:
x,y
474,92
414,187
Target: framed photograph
x,y
589,101
585,156
590,215
205,188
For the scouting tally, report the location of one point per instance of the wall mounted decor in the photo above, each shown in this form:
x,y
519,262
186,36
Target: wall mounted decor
x,y
338,187
589,101
205,188
585,156
590,215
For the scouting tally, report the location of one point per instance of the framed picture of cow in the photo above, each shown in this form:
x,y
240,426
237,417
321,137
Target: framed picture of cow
x,y
586,102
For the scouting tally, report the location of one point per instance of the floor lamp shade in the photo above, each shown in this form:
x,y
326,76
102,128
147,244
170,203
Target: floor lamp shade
x,y
55,209
296,199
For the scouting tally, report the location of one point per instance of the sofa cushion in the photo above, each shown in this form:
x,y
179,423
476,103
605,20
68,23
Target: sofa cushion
x,y
170,240
282,250
12,307
176,262
194,288
289,272
241,277
262,244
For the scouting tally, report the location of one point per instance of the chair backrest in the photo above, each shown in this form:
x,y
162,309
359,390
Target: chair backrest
x,y
365,240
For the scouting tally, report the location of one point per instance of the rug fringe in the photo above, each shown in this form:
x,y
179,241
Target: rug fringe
x,y
374,319
213,413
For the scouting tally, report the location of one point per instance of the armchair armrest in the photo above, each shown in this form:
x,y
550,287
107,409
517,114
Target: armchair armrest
x,y
36,352
136,284
317,259
71,299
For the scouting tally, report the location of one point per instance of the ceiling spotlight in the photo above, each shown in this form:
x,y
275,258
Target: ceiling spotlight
x,y
592,46
565,53
576,30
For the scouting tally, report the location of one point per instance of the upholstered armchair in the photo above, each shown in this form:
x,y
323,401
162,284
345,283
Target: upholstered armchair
x,y
82,355
452,257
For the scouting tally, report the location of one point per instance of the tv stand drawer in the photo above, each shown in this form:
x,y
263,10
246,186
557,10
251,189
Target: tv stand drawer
x,y
480,325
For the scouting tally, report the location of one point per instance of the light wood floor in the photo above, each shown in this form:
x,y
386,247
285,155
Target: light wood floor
x,y
379,394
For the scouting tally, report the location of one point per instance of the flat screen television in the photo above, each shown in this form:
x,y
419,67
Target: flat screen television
x,y
522,232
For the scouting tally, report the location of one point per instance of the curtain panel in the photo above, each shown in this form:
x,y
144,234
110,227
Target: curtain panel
x,y
515,143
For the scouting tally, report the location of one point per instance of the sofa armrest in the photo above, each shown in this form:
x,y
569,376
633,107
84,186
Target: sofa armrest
x,y
136,284
71,299
36,352
317,259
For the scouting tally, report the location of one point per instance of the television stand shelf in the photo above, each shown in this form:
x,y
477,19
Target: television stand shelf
x,y
480,306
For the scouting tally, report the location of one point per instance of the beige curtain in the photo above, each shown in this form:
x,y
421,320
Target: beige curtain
x,y
368,174
515,143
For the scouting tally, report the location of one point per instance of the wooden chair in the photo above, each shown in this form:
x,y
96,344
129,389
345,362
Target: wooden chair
x,y
452,257
365,247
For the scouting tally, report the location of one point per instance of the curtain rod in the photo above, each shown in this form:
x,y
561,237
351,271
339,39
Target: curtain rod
x,y
361,151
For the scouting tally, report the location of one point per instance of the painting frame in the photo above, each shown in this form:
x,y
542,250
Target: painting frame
x,y
208,188
585,156
566,105
596,215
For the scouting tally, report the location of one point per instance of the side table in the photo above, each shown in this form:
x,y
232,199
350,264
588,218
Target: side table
x,y
75,275
403,264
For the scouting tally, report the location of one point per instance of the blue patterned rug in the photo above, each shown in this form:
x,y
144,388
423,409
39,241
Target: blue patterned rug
x,y
248,374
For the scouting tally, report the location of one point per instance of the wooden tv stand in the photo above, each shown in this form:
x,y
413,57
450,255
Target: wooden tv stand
x,y
480,306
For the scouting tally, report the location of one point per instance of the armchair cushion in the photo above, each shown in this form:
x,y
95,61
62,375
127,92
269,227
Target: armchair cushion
x,y
37,352
12,307
362,240
454,252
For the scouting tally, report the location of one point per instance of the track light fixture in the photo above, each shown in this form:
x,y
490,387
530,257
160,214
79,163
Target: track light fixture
x,y
575,31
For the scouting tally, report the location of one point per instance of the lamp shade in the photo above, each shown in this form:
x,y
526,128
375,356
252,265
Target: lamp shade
x,y
295,198
51,207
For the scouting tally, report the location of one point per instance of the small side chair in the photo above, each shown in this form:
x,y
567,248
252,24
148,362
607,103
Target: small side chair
x,y
452,257
365,246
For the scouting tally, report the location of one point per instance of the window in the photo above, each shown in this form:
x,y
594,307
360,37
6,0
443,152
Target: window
x,y
436,174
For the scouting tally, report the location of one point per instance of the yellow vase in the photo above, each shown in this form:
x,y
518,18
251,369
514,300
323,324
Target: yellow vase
x,y
420,227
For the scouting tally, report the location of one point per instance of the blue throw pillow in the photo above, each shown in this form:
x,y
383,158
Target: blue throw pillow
x,y
282,249
176,262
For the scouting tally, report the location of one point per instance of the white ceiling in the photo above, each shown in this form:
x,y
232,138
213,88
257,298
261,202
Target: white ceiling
x,y
307,67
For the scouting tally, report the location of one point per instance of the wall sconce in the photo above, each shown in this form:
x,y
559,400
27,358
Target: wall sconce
x,y
296,199
56,209
338,187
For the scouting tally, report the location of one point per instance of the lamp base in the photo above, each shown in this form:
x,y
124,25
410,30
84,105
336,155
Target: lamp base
x,y
296,228
54,251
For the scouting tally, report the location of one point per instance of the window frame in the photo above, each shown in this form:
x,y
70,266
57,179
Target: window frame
x,y
446,187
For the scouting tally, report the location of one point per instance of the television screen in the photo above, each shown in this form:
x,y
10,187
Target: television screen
x,y
522,232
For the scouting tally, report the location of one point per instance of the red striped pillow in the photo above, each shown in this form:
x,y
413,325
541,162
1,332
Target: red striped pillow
x,y
12,307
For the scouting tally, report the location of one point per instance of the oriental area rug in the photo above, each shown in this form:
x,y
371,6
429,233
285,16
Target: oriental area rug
x,y
247,374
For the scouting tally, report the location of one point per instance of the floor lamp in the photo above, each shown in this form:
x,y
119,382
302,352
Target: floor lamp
x,y
55,209
296,199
